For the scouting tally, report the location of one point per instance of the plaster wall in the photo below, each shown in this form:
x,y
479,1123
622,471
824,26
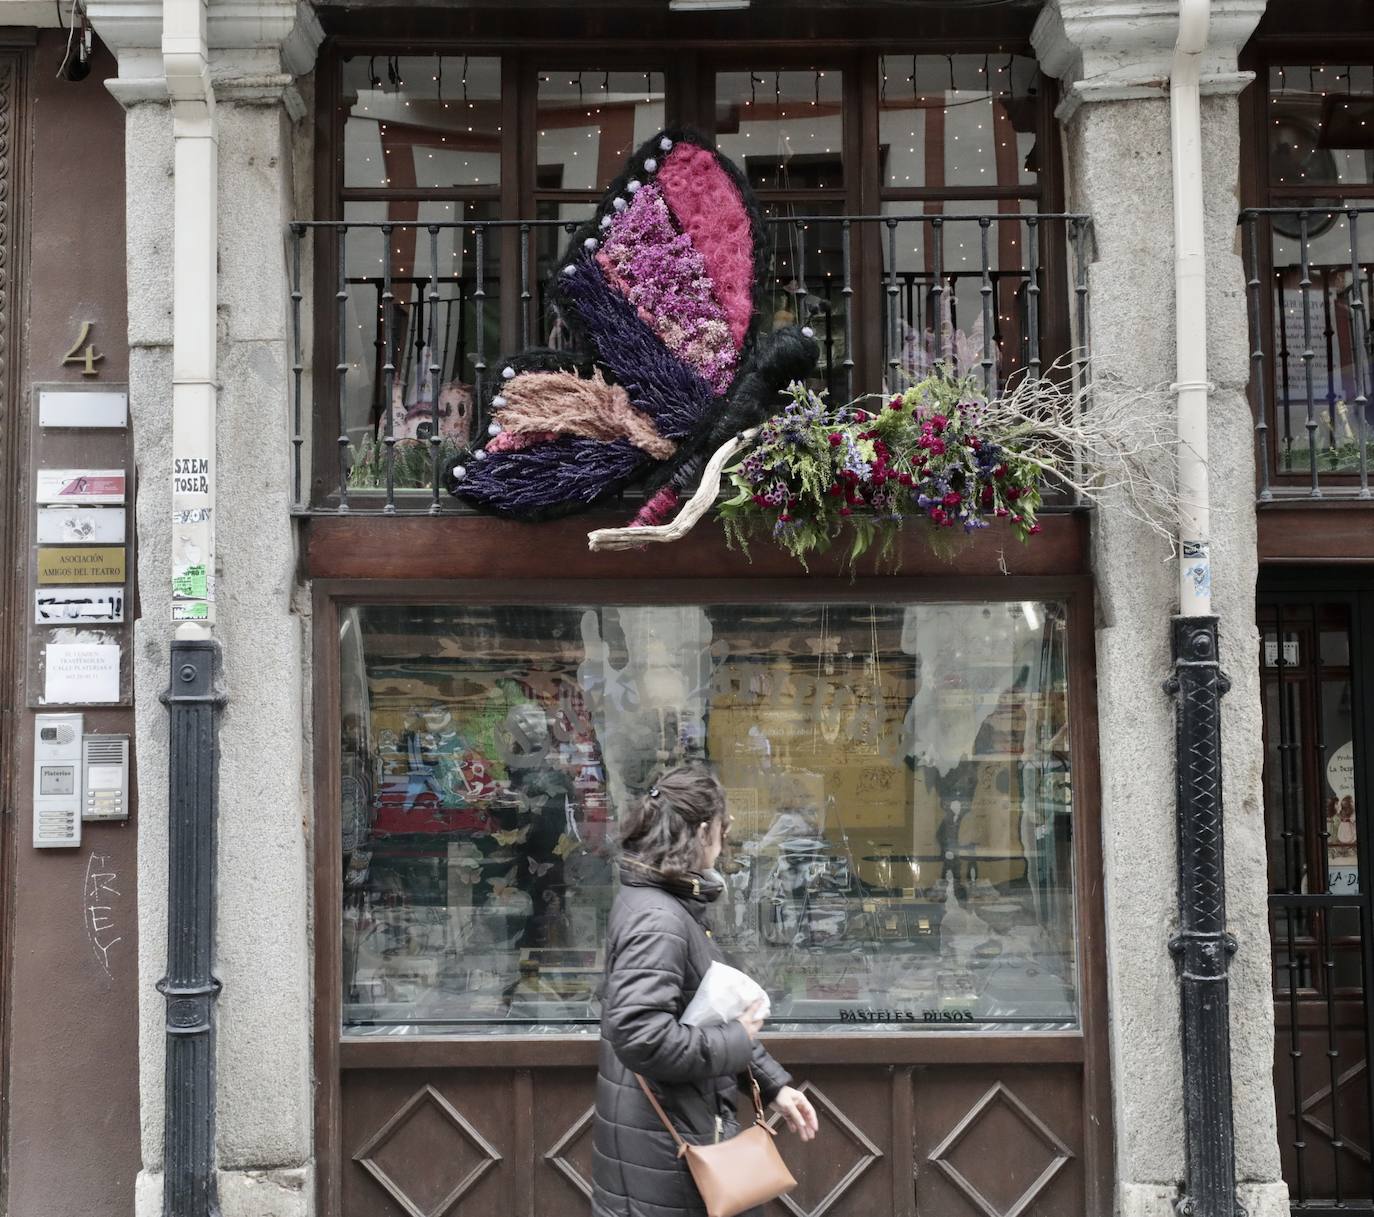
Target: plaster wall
x,y
70,1084
1119,171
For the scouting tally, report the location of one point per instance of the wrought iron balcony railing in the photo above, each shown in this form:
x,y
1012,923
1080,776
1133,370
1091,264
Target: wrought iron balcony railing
x,y
392,367
1308,283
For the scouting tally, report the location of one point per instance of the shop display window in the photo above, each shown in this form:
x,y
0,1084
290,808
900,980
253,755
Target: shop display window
x,y
898,777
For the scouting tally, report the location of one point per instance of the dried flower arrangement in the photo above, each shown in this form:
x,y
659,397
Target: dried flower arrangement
x,y
938,454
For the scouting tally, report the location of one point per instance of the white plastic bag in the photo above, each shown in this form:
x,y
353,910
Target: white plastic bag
x,y
724,995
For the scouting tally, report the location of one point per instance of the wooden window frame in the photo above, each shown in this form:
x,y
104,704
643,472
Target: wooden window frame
x,y
524,581
1258,190
689,86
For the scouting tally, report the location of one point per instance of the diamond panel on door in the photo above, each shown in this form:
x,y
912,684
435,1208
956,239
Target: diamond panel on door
x,y
427,1156
426,1143
1004,1143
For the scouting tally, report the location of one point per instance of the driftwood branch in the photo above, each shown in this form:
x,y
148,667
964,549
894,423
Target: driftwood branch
x,y
692,511
1110,443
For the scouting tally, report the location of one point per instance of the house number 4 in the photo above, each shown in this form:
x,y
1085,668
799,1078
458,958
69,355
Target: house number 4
x,y
84,352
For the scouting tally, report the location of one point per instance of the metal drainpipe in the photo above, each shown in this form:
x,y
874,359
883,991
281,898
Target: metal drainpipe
x,y
1202,946
193,698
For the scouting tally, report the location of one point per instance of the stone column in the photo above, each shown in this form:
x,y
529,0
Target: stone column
x,y
1113,60
264,1102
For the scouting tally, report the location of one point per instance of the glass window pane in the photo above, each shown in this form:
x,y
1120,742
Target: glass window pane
x,y
955,338
464,327
1285,795
803,282
1320,319
899,778
589,122
1338,813
422,121
1321,124
958,120
784,129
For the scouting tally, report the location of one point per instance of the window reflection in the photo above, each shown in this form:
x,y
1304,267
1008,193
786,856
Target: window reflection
x,y
589,122
453,333
422,122
785,129
899,778
1321,124
953,327
958,120
1327,318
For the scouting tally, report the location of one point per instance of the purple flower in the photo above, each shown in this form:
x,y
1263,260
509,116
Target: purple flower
x,y
661,273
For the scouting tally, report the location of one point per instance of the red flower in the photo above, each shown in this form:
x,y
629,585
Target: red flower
x,y
836,439
975,443
1013,493
895,404
861,416
836,490
1000,471
1002,513
937,447
938,422
938,515
906,479
986,497
1033,529
844,511
785,518
952,499
1016,520
760,501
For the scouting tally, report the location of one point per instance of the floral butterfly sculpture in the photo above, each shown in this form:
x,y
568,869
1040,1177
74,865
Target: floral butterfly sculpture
x,y
658,292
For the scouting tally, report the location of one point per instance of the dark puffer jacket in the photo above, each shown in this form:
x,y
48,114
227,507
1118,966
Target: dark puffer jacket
x,y
657,950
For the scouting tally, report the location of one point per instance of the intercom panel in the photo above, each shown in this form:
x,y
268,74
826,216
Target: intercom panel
x,y
105,777
57,781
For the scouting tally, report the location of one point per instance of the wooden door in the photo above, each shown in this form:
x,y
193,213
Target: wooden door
x,y
937,1137
1314,655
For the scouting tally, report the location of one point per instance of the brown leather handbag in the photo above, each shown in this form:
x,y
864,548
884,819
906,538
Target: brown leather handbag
x,y
735,1175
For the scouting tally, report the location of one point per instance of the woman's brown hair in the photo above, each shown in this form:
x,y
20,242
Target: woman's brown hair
x,y
661,827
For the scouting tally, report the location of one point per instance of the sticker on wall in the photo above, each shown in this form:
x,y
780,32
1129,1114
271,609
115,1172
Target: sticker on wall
x,y
67,408
85,486
80,673
192,581
80,525
85,566
78,606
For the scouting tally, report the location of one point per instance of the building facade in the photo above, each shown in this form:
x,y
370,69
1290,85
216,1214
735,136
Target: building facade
x,y
332,945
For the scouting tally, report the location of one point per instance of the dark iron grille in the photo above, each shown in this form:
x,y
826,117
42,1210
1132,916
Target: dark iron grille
x,y
435,337
1308,291
1319,912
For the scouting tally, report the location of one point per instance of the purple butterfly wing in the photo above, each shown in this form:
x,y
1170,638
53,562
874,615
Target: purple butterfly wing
x,y
658,291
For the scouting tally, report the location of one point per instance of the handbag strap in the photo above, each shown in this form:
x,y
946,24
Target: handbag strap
x,y
668,1124
662,1115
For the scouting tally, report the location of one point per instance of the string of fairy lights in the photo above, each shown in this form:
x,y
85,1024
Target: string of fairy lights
x,y
1322,80
785,126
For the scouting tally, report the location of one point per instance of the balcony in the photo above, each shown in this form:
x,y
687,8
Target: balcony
x,y
393,357
1308,283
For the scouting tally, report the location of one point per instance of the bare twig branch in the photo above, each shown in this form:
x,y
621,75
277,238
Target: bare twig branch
x,y
695,507
1109,443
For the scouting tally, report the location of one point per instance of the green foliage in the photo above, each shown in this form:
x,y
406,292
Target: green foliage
x,y
934,456
413,463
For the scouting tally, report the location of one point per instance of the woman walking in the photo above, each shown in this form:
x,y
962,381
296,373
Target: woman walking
x,y
657,951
